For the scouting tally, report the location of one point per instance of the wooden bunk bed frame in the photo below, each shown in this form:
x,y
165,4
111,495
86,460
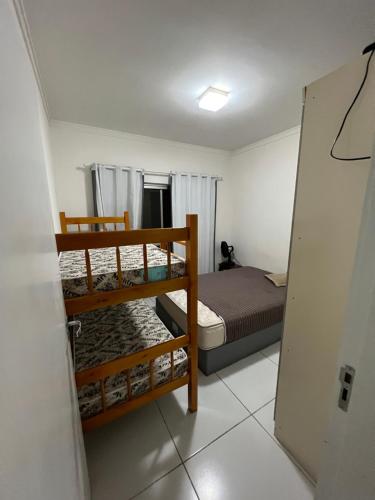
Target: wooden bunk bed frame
x,y
93,221
97,299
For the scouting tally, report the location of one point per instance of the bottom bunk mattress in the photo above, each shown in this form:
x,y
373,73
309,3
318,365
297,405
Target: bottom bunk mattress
x,y
112,332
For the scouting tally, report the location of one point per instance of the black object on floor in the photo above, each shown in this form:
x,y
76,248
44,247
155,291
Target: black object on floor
x,y
223,266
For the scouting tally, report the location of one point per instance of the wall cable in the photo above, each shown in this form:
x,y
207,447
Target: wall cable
x,y
358,158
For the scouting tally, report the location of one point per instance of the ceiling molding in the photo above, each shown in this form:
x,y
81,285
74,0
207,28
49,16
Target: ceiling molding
x,y
115,134
88,129
25,29
268,140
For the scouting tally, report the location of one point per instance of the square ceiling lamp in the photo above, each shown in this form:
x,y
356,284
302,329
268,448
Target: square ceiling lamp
x,y
213,99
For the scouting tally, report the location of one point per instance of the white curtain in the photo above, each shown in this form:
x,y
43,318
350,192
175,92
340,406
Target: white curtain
x,y
118,189
196,194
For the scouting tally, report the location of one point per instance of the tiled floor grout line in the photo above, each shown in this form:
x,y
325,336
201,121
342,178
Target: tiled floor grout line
x,y
235,395
228,430
269,359
291,458
262,426
261,407
154,482
178,453
216,438
250,414
183,462
191,481
243,404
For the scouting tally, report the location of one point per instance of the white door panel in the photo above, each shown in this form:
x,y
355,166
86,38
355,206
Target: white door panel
x,y
40,453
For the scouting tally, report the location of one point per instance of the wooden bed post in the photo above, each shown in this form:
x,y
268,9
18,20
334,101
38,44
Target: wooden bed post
x,y
192,307
126,221
63,224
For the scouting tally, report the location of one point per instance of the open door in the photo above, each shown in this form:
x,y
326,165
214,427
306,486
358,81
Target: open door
x,y
348,466
327,217
41,449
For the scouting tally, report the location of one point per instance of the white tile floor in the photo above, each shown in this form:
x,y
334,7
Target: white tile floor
x,y
224,451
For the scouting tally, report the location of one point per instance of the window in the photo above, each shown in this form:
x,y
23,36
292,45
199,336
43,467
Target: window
x,y
156,210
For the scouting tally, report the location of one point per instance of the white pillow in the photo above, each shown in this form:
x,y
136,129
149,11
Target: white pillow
x,y
277,279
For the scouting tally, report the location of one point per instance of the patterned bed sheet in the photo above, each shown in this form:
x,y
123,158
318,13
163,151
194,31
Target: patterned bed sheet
x,y
115,331
104,268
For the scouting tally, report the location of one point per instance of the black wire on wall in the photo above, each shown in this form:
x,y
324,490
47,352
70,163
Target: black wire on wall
x,y
333,155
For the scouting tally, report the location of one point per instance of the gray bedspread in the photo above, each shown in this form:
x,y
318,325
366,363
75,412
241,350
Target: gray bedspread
x,y
244,298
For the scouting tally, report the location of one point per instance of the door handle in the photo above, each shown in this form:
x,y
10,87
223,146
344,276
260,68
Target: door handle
x,y
74,327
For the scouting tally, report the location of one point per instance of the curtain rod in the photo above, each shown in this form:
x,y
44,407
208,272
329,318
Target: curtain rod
x,y
153,172
196,174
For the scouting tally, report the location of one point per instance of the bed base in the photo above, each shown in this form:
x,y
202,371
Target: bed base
x,y
213,360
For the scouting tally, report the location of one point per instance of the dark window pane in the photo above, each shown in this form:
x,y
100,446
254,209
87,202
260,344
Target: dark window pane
x,y
167,208
151,208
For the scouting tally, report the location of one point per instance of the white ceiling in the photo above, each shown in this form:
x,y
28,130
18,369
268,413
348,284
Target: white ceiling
x,y
140,65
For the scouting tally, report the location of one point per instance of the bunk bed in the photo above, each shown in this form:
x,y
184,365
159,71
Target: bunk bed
x,y
125,356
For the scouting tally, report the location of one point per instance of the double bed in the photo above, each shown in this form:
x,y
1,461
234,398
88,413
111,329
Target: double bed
x,y
240,312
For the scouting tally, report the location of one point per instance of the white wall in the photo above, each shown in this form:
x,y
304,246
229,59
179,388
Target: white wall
x,y
37,440
73,146
255,199
45,129
262,186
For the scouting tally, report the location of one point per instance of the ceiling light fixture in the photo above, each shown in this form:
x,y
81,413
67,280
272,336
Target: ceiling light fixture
x,y
213,99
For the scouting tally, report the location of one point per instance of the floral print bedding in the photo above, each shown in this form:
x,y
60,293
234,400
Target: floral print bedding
x,y
104,268
115,331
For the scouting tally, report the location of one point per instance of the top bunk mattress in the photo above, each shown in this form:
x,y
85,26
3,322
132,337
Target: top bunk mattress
x,y
112,332
104,268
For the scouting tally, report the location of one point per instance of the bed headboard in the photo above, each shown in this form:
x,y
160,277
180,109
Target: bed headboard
x,y
94,221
